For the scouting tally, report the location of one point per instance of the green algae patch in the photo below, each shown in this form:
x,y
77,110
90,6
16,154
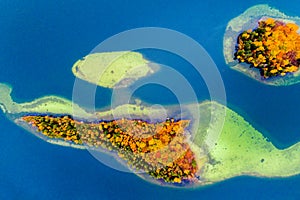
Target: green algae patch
x,y
242,150
113,69
46,105
248,21
58,105
6,103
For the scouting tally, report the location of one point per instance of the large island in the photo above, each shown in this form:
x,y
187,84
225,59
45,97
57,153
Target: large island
x,y
176,151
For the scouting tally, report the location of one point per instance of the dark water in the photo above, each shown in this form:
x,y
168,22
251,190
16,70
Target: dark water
x,y
40,40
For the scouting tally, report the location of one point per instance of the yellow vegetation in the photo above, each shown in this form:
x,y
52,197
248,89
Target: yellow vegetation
x,y
274,48
159,149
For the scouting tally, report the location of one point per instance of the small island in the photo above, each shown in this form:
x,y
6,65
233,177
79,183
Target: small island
x,y
264,44
113,69
175,152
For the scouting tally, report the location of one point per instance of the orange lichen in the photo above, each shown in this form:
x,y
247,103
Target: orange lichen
x,y
274,48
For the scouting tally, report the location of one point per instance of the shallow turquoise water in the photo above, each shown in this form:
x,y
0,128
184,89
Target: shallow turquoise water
x,y
41,40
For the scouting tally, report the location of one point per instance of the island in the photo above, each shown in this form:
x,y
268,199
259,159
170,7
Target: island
x,y
175,152
264,44
116,70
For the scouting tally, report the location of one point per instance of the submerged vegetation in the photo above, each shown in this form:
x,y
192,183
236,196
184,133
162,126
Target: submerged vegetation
x,y
273,48
158,149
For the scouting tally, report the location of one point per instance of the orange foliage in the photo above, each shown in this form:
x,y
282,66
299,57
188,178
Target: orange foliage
x,y
273,48
161,146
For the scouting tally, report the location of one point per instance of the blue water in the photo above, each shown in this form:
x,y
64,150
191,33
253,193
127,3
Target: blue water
x,y
40,40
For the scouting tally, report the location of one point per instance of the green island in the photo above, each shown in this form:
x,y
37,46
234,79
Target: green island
x,y
113,70
175,152
263,43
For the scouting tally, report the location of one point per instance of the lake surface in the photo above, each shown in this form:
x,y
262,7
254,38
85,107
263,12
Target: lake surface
x,y
40,41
